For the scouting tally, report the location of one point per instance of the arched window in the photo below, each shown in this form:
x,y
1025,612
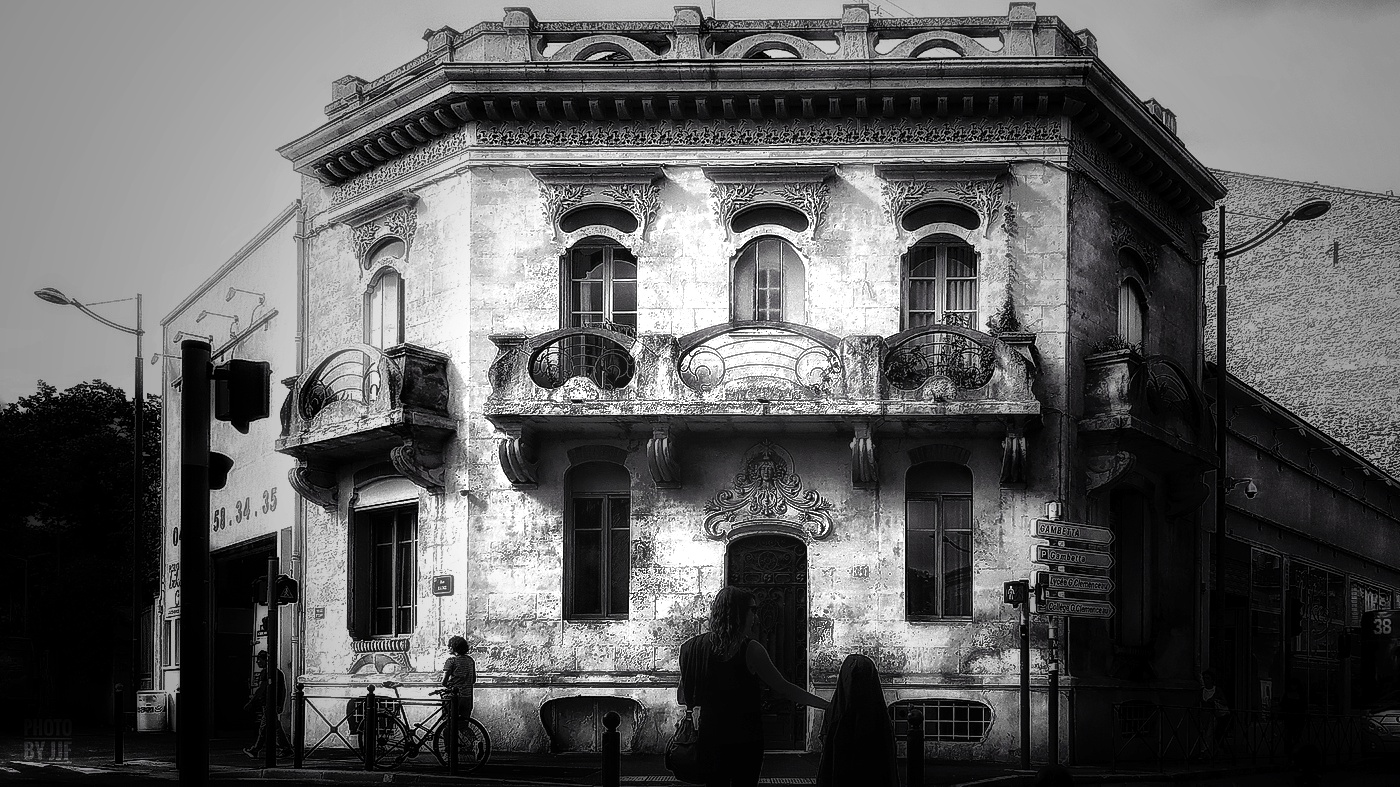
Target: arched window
x,y
600,286
1132,312
770,282
938,541
384,310
597,536
940,283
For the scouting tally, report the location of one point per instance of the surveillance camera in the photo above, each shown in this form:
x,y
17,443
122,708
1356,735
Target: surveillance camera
x,y
1251,490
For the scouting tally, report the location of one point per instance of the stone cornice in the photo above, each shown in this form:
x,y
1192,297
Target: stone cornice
x,y
452,95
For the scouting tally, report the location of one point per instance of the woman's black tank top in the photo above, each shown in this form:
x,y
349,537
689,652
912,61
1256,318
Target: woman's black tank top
x,y
731,711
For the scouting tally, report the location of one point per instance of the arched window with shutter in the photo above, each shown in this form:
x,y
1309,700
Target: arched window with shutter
x,y
384,310
770,282
940,283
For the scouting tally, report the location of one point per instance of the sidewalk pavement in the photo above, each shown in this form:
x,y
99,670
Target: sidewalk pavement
x,y
151,757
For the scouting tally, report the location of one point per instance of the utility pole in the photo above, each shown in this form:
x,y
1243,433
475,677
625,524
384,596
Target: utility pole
x,y
192,739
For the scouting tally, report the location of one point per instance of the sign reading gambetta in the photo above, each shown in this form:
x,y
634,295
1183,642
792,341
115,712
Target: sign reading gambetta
x,y
1073,531
1068,556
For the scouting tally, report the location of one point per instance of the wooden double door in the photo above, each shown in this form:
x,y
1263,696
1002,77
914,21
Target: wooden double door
x,y
774,569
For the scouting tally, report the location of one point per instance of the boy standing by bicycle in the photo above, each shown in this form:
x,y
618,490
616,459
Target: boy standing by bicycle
x,y
460,673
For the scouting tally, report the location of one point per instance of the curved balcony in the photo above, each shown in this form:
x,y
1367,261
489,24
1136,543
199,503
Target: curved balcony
x,y
753,359
759,374
361,402
600,356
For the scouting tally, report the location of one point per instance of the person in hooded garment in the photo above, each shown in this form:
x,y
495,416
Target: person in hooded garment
x,y
857,736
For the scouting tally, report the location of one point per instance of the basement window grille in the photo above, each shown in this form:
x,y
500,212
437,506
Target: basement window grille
x,y
945,720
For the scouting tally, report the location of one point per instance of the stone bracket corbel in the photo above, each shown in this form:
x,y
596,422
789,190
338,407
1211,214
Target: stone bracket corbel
x,y
1013,454
1105,469
661,457
422,462
517,455
316,484
863,470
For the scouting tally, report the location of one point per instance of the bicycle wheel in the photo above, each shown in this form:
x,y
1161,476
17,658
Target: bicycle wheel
x,y
390,742
473,745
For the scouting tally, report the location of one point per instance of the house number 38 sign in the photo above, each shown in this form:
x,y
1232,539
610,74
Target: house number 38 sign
x,y
245,510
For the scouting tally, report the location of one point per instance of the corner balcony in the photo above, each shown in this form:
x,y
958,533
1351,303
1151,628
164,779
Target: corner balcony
x,y
360,402
759,374
1145,407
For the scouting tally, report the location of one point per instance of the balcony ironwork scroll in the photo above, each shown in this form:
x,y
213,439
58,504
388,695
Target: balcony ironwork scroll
x,y
355,373
761,359
939,359
597,354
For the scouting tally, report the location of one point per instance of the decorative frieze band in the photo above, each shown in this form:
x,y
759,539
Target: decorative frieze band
x,y
817,132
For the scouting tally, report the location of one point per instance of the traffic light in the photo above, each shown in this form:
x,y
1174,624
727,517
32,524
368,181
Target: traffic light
x,y
219,465
242,392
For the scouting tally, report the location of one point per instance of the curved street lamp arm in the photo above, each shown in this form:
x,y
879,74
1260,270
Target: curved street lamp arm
x,y
105,321
1262,237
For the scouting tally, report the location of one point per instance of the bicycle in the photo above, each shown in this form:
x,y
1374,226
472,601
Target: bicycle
x,y
396,740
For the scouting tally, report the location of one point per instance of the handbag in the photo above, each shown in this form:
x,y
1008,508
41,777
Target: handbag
x,y
683,752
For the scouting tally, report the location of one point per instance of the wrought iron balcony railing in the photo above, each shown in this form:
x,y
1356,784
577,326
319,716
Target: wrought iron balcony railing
x,y
359,401
577,378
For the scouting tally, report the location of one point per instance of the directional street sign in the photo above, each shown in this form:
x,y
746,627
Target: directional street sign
x,y
1073,531
1066,556
1076,609
1075,582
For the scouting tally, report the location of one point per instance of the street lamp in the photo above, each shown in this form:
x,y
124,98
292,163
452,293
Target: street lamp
x,y
1308,210
138,422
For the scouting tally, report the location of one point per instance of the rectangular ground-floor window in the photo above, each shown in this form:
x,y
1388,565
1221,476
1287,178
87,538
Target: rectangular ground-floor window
x,y
384,572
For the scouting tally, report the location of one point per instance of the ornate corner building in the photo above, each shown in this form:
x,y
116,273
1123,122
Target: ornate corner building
x,y
600,317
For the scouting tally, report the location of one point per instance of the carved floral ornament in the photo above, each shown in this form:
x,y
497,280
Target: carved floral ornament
x,y
637,193
766,493
803,189
983,196
1126,235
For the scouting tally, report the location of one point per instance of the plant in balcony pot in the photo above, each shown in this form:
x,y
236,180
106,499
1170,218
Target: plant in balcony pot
x,y
1112,365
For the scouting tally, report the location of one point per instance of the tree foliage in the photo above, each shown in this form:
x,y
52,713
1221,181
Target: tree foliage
x,y
66,523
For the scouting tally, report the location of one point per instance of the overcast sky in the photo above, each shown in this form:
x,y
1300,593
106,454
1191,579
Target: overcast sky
x,y
138,141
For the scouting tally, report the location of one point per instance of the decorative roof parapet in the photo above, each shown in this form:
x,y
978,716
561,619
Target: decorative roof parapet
x,y
520,37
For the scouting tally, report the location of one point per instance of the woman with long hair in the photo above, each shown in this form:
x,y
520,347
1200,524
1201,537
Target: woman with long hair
x,y
726,666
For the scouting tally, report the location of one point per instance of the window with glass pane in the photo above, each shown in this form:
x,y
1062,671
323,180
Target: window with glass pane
x,y
597,550
602,286
769,282
384,311
1132,312
940,284
938,541
389,553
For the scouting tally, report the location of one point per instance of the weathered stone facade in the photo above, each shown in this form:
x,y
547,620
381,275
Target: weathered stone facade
x,y
506,147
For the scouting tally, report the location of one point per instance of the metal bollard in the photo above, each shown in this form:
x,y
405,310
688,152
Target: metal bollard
x,y
612,750
298,725
118,711
367,729
914,750
451,695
